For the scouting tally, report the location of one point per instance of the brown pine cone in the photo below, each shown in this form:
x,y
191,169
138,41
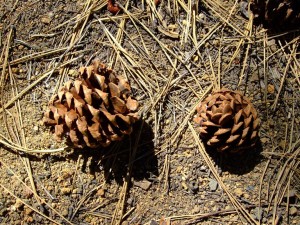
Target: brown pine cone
x,y
93,110
228,121
278,14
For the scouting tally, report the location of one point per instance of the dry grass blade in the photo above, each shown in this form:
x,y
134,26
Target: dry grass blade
x,y
248,31
144,81
6,54
40,200
174,138
83,199
188,22
210,33
240,208
119,210
37,55
293,52
33,84
197,218
222,12
164,48
20,132
9,144
166,88
29,206
118,38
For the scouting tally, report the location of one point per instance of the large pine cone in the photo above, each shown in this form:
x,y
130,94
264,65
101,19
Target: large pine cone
x,y
93,110
277,13
228,121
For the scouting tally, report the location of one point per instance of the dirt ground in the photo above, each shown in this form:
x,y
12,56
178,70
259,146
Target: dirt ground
x,y
173,54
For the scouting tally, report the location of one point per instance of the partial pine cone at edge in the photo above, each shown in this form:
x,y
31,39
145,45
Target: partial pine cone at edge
x,y
227,121
93,110
279,14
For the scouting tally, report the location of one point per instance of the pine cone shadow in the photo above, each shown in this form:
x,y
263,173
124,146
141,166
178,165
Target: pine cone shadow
x,y
237,163
114,160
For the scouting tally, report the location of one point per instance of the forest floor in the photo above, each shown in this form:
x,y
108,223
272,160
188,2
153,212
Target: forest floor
x,y
173,55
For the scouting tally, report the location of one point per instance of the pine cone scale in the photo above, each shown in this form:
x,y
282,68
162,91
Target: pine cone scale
x,y
236,127
222,131
118,104
232,138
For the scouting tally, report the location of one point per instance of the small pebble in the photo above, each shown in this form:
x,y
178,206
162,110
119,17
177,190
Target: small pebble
x,y
203,168
213,185
144,184
64,212
153,222
45,19
271,89
9,172
216,42
244,8
246,196
184,185
196,209
239,192
66,191
202,16
250,188
28,211
228,207
130,201
15,70
101,192
29,219
293,211
258,212
36,128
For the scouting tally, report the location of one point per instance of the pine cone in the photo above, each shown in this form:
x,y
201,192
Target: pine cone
x,y
228,121
283,14
93,110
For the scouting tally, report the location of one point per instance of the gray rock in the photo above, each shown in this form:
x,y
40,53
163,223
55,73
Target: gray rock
x,y
244,8
203,168
258,212
144,184
250,188
213,185
153,222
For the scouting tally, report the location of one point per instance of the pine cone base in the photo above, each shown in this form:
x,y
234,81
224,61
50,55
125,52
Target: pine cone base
x,y
227,121
93,110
